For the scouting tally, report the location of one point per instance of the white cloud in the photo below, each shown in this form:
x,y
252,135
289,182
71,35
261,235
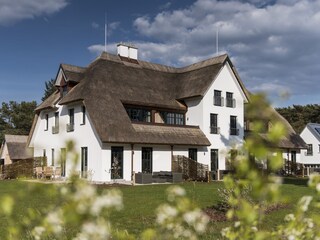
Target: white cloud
x,y
12,11
95,25
271,41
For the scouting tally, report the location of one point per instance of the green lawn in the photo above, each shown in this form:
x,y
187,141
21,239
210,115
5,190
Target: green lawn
x,y
141,201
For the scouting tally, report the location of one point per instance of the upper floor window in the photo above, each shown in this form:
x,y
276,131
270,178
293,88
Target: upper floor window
x,y
47,122
173,118
70,125
309,150
214,124
217,98
139,114
55,128
233,126
83,110
230,101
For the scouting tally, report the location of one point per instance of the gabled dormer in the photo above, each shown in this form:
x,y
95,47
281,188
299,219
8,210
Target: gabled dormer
x,y
68,76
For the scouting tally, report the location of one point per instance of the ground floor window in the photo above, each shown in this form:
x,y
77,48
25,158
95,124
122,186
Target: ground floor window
x,y
63,161
214,163
52,157
116,162
146,155
193,154
84,162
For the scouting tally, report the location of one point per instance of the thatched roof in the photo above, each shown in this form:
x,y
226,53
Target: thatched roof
x,y
291,141
110,82
72,73
17,147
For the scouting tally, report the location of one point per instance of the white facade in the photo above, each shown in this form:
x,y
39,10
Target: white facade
x,y
311,137
199,111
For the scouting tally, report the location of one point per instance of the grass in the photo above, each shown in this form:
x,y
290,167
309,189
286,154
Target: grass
x,y
141,201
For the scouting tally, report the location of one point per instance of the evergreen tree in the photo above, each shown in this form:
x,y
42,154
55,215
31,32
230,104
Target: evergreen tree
x,y
49,89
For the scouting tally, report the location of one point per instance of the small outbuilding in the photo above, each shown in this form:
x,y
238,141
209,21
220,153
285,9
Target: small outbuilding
x,y
14,148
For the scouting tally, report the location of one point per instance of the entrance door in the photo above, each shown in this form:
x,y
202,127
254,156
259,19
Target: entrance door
x,y
146,160
116,162
193,152
214,163
63,162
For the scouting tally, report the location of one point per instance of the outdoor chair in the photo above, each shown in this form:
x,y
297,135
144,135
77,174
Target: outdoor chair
x,y
48,172
57,172
38,172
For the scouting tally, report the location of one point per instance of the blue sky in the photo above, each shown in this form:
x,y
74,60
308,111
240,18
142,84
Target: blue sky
x,y
274,44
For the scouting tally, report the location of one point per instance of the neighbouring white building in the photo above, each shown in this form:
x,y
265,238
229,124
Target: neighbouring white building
x,y
126,115
310,157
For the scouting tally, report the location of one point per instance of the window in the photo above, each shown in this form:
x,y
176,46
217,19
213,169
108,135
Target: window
x,y
179,119
116,162
214,123
309,150
230,101
47,122
233,126
52,157
217,99
63,160
70,125
139,114
214,161
173,118
83,109
64,90
84,162
146,160
55,128
193,154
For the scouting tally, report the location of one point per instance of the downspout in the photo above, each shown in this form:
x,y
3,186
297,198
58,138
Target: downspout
x,y
171,157
132,172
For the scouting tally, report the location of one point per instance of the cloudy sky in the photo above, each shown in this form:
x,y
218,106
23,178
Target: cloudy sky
x,y
274,44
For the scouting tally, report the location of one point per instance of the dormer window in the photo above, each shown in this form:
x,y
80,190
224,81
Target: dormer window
x,y
64,90
173,118
139,114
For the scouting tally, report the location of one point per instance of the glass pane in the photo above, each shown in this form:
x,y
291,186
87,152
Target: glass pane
x,y
116,162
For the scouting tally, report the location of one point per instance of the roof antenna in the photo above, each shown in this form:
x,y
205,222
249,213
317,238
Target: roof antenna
x,y
105,31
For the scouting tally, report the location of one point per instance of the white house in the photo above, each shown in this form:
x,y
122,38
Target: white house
x,y
126,115
137,115
310,157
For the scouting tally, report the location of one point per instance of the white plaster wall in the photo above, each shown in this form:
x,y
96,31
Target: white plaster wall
x,y
161,158
83,136
309,138
199,114
194,115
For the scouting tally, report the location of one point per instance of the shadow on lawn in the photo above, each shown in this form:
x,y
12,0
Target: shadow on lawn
x,y
296,181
